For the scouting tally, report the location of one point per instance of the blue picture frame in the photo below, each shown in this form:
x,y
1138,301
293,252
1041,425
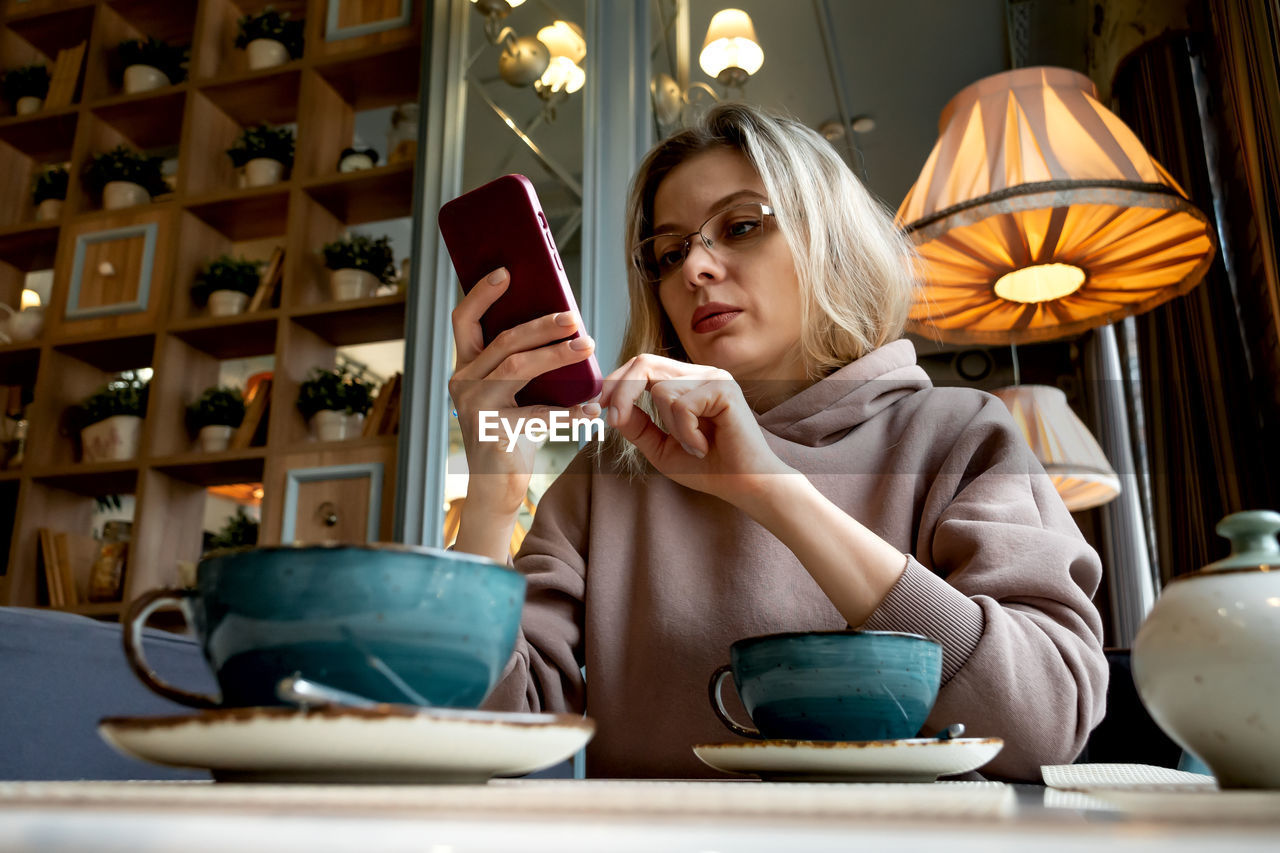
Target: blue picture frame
x,y
333,31
297,476
148,232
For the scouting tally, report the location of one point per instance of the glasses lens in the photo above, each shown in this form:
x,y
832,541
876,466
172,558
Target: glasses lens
x,y
738,227
660,256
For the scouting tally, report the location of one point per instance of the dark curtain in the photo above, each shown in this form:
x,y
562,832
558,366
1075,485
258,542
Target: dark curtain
x,y
1209,362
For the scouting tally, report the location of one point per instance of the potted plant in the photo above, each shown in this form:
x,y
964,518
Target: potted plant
x,y
359,264
335,403
26,87
214,416
263,152
110,419
125,177
226,284
151,64
269,38
50,192
240,530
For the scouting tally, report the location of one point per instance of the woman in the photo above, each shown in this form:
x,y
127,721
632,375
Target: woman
x,y
794,470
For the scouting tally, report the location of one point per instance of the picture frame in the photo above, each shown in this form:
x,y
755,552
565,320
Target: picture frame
x,y
334,31
84,242
295,478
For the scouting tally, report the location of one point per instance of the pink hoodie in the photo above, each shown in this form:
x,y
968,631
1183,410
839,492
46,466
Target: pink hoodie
x,y
646,584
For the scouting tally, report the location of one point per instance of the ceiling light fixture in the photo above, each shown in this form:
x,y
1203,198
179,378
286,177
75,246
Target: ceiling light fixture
x,y
731,53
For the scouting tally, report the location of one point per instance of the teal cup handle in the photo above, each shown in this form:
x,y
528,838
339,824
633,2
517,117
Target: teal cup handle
x,y
135,620
717,704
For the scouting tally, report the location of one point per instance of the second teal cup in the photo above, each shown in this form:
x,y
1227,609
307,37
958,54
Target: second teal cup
x,y
831,686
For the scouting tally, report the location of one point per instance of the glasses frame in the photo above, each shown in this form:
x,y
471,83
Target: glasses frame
x,y
686,242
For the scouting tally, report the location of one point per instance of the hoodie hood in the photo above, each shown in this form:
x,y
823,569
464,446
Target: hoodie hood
x,y
825,411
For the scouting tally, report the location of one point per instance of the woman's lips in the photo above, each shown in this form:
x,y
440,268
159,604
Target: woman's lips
x,y
715,321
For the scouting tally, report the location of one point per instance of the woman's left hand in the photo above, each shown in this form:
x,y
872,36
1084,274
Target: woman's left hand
x,y
713,443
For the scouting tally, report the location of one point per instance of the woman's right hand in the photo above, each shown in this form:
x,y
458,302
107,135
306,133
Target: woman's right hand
x,y
486,378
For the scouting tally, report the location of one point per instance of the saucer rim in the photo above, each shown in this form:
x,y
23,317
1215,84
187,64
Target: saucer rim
x,y
282,714
846,744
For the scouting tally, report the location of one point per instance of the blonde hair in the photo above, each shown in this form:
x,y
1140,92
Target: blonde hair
x,y
856,270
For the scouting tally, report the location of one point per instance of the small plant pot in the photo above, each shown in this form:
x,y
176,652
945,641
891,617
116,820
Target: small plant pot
x,y
118,194
262,171
336,426
28,104
266,53
50,208
214,438
113,439
352,284
225,303
144,78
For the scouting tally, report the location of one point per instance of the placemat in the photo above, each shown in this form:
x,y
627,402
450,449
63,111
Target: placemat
x,y
1098,777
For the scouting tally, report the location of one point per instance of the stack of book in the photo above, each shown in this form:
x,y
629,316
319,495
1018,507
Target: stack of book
x,y
384,416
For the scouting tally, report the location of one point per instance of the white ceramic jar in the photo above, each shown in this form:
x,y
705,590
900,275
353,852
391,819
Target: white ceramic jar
x,y
28,104
352,284
1206,661
214,438
50,208
263,171
118,194
225,303
112,439
266,53
331,425
144,78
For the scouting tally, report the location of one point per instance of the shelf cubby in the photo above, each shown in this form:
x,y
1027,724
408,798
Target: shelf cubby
x,y
241,336
355,321
128,20
252,237
123,124
383,192
215,54
22,250
43,504
18,363
215,469
218,117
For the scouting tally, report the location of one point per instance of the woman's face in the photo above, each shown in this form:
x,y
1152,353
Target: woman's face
x,y
736,310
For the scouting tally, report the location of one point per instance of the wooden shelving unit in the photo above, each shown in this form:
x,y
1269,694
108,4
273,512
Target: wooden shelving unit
x,y
206,214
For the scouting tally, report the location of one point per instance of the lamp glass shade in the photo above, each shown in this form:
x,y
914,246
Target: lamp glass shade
x,y
731,43
564,39
1031,170
561,74
30,299
512,3
1068,451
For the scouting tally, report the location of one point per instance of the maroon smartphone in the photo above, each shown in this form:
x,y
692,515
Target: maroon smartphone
x,y
501,224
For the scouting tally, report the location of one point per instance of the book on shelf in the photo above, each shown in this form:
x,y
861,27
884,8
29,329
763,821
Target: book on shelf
x,y
48,559
255,410
65,77
267,282
377,413
391,417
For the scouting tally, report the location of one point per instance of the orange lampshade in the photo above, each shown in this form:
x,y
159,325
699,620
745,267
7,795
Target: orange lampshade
x,y
1039,215
1065,447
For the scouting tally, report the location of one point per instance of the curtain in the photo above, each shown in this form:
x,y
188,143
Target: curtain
x,y
1206,106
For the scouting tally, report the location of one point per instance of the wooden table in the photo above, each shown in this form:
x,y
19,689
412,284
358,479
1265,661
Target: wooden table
x,y
597,815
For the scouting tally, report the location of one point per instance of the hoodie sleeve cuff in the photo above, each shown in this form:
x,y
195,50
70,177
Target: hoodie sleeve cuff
x,y
923,603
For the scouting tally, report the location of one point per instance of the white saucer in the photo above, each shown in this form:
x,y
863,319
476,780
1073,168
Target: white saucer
x,y
911,760
383,744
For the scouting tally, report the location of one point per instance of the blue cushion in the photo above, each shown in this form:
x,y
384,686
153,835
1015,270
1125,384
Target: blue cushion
x,y
60,673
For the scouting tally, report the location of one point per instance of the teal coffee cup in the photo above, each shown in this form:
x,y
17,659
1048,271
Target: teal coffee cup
x,y
831,686
391,623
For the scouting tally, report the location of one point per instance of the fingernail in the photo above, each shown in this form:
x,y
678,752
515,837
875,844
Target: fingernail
x,y
581,343
696,453
590,409
565,318
498,276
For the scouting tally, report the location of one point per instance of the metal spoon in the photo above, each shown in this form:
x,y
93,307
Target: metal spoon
x,y
951,732
304,693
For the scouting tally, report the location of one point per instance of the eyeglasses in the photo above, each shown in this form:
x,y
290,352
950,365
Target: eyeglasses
x,y
733,230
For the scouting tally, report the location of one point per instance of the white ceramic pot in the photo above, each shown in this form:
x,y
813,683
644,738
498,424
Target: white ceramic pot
x,y
112,439
225,303
1205,660
352,284
50,208
118,194
144,78
336,426
28,104
262,171
23,325
214,438
266,53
